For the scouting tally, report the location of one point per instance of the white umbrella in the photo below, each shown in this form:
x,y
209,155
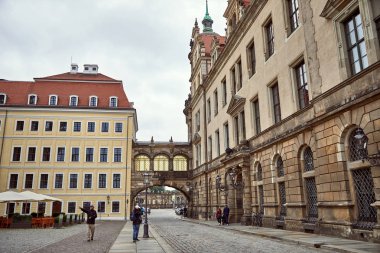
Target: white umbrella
x,y
39,197
10,196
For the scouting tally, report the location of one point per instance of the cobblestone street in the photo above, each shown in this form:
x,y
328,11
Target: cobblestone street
x,y
186,237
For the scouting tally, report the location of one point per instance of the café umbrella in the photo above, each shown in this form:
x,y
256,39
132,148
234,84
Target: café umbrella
x,y
11,196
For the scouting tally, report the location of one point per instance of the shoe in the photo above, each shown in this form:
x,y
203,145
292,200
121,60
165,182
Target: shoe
x,y
137,240
88,240
92,239
134,240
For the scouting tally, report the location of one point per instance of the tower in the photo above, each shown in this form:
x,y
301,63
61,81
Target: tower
x,y
207,21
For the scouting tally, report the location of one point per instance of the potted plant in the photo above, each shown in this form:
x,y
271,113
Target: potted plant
x,y
21,221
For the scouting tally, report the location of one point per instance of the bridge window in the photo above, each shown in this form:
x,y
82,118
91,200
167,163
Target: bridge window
x,y
161,163
179,163
142,163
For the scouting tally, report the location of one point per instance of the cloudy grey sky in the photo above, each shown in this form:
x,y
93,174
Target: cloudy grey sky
x,y
144,43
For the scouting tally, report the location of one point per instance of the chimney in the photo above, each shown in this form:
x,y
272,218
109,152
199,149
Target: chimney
x,y
74,68
90,69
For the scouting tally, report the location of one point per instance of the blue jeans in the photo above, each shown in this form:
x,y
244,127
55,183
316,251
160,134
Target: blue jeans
x,y
136,228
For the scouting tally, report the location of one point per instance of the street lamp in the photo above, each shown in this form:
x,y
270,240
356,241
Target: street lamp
x,y
146,182
362,142
236,183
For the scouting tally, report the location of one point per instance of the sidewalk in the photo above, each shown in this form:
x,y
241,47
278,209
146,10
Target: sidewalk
x,y
124,243
313,240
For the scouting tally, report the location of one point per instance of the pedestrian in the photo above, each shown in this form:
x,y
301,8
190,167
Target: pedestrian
x,y
219,215
226,213
91,216
136,220
185,211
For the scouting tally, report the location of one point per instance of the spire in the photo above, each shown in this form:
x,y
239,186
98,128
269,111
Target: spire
x,y
207,21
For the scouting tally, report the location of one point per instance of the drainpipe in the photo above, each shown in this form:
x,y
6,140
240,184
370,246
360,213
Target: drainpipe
x,y
2,141
126,172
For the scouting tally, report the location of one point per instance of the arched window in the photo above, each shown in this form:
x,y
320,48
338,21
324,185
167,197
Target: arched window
x,y
259,172
308,159
93,102
142,163
53,100
280,167
32,99
179,163
73,101
113,101
161,163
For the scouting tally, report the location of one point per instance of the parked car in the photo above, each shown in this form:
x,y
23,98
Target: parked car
x,y
179,210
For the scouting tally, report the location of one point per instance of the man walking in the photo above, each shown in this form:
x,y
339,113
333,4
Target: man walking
x,y
136,219
226,213
91,216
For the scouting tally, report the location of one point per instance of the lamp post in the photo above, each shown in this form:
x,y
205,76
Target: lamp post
x,y
362,143
146,182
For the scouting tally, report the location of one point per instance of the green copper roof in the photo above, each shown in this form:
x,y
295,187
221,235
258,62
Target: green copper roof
x,y
207,21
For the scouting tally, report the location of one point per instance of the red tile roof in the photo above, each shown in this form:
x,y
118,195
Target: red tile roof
x,y
207,39
81,85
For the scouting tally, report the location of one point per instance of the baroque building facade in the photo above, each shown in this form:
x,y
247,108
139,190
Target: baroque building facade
x,y
283,116
69,136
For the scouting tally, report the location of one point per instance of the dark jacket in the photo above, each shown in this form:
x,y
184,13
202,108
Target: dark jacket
x,y
137,213
91,215
226,211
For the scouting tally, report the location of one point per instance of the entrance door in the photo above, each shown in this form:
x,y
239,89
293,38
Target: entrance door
x,y
57,208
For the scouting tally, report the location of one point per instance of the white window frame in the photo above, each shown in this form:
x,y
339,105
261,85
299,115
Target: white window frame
x,y
85,155
76,102
51,126
101,154
35,101
112,205
9,180
42,153
113,155
27,154
30,128
63,180
5,98
80,126
30,208
67,206
71,154
114,127
59,126
56,100
92,181
39,181
23,128
105,206
68,181
56,154
99,180
24,180
13,150
117,102
120,180
96,102
94,126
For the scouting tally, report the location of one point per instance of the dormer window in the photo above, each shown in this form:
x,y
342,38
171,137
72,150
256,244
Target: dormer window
x,y
53,100
93,101
3,98
32,100
113,101
73,101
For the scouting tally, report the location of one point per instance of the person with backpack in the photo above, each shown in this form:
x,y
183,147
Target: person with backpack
x,y
136,220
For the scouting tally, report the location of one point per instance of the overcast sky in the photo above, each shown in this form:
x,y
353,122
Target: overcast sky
x,y
144,43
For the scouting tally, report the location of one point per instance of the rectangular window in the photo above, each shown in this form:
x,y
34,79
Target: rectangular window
x,y
16,157
302,87
198,155
87,181
239,80
293,14
46,154
256,116
208,110
90,127
251,59
101,207
233,80
75,154
25,208
224,92
217,142
117,154
242,124
73,101
20,125
105,126
355,43
41,208
44,181
28,181
62,126
116,181
13,180
31,154
58,181
103,154
77,126
71,206
73,181
269,39
209,145
198,121
115,206
102,183
89,154
49,126
216,105
53,100
276,103
10,208
34,126
226,136
61,154
237,130
118,127
93,101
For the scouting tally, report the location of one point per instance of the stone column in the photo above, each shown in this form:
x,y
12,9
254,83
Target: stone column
x,y
246,219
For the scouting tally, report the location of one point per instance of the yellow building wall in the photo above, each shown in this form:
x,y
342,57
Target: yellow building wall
x,y
54,139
